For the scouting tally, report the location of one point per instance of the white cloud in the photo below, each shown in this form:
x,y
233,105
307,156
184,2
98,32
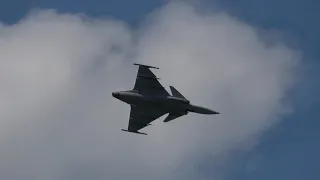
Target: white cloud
x,y
59,120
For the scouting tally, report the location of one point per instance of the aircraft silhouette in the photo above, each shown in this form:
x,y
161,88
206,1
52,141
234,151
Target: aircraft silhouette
x,y
149,100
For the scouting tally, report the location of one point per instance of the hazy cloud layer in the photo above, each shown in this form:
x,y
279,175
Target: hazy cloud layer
x,y
58,119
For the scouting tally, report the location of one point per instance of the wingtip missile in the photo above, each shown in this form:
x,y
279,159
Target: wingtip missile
x,y
147,66
133,132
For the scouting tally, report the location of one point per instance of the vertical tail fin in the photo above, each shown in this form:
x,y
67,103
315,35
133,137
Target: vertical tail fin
x,y
176,93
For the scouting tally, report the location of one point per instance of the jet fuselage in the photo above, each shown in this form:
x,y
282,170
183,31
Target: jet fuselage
x,y
170,103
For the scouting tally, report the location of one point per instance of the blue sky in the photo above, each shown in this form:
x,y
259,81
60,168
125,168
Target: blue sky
x,y
290,149
132,12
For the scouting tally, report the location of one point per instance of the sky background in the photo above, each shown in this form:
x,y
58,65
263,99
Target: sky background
x,y
288,150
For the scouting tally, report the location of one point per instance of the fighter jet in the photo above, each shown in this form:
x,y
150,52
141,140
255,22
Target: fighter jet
x,y
149,100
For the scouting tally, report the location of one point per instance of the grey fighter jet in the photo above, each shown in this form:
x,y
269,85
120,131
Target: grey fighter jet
x,y
149,100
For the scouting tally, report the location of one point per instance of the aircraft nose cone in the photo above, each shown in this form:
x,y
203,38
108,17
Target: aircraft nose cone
x,y
115,94
212,112
215,112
